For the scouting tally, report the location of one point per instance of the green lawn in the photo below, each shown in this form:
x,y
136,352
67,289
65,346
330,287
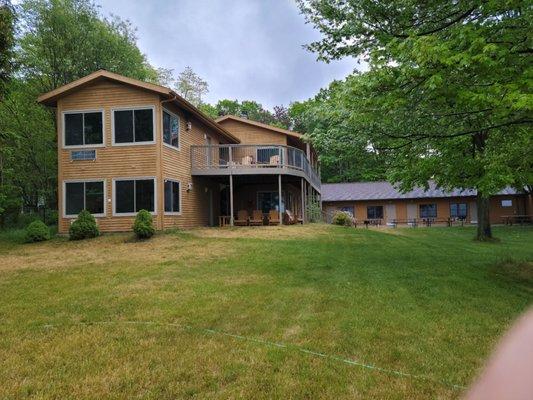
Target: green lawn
x,y
258,313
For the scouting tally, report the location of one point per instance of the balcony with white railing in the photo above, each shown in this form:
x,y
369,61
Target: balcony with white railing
x,y
243,159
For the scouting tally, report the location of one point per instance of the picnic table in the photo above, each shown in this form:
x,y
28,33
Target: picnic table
x,y
516,219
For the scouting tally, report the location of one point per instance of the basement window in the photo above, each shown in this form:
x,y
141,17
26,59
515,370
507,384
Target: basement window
x,y
172,197
133,195
84,195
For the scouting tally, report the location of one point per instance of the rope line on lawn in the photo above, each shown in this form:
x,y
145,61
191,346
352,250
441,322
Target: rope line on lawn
x,y
269,343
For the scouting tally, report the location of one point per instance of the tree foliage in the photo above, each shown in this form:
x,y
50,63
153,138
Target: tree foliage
x,y
448,94
57,42
191,87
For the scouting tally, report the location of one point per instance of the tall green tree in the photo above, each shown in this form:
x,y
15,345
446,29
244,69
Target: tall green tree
x,y
57,42
191,86
448,94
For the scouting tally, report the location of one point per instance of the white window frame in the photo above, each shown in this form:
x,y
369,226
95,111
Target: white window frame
x,y
81,146
133,108
133,178
65,215
164,110
181,203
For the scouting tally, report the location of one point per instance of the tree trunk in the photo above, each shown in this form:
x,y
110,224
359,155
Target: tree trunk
x,y
484,231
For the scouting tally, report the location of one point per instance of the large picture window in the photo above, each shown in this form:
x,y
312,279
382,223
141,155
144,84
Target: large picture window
x,y
83,128
458,210
133,195
172,197
428,211
133,126
87,195
267,201
171,129
374,212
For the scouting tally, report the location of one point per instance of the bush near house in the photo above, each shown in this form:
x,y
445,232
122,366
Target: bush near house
x,y
84,227
37,231
342,218
143,226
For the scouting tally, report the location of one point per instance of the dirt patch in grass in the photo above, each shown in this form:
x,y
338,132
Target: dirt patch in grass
x,y
514,271
163,249
265,232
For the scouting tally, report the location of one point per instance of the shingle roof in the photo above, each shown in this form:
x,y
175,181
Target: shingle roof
x,y
386,191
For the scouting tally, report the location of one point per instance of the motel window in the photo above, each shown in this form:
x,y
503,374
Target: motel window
x,y
171,128
507,203
172,196
133,126
84,196
428,211
374,212
458,210
83,128
134,195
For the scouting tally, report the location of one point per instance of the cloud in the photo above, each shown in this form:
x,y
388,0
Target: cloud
x,y
244,49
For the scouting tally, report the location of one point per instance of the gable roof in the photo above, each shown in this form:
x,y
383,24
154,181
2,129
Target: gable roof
x,y
287,132
50,98
354,191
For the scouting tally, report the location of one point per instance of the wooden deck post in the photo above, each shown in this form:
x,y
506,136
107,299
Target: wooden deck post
x,y
231,199
302,195
279,200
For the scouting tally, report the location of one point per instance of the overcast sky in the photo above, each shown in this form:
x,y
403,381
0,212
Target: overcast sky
x,y
244,49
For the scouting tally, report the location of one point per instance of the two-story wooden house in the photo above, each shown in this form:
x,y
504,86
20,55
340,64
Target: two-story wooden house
x,y
126,145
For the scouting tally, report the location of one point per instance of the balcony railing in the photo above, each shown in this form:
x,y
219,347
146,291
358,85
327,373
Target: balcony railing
x,y
260,158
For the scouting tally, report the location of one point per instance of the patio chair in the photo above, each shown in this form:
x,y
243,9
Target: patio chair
x,y
273,217
242,218
257,218
274,160
247,160
290,219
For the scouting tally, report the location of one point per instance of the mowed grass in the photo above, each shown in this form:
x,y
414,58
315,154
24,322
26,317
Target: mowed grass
x,y
262,313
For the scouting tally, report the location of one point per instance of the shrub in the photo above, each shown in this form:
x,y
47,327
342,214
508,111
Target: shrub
x,y
342,218
143,226
37,231
84,227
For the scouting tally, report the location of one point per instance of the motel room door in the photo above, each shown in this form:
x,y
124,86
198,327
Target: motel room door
x,y
411,211
390,212
473,212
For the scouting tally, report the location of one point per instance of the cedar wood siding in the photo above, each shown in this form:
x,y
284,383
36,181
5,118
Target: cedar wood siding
x,y
443,207
150,160
249,134
177,166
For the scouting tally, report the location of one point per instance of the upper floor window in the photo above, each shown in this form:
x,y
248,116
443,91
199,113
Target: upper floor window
x,y
83,128
171,129
133,126
428,211
374,212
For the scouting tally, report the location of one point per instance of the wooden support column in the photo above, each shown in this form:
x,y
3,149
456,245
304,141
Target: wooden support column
x,y
302,194
231,199
279,200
